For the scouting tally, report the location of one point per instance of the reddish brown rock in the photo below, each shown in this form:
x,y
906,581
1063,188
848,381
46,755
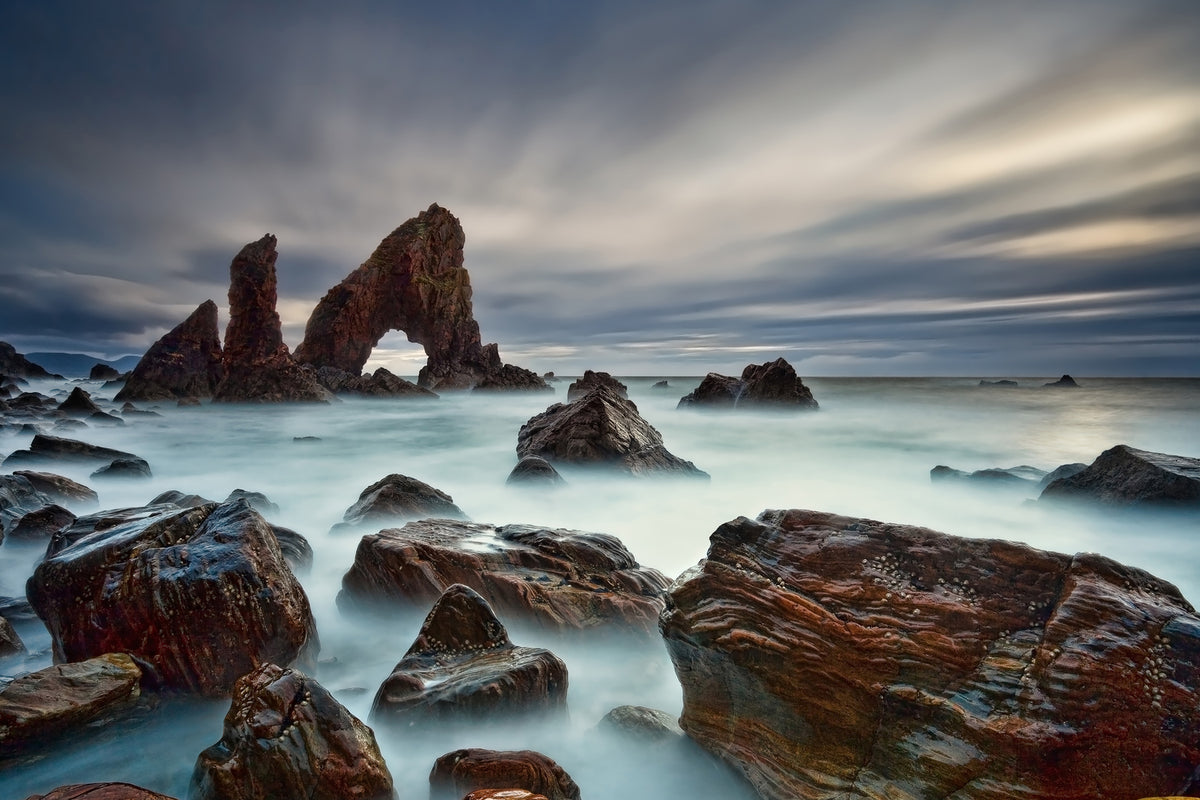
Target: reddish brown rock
x,y
100,791
773,385
594,380
601,429
380,383
1124,476
185,363
10,640
60,489
476,771
200,596
557,579
398,498
503,794
38,526
826,656
258,366
286,736
414,282
37,707
463,664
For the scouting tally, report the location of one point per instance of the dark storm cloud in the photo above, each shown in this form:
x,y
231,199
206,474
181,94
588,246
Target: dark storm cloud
x,y
643,183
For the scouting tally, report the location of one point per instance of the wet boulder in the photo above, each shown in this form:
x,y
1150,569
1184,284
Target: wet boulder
x,y
199,596
18,497
641,724
601,429
38,526
397,498
773,385
560,580
1124,476
54,449
123,469
463,665
59,489
100,791
825,655
286,736
471,771
38,707
10,640
535,471
594,380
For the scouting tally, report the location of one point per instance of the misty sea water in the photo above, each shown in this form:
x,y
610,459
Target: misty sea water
x,y
867,452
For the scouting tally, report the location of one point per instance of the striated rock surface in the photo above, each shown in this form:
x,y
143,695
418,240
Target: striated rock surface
x,y
463,664
40,706
557,579
503,794
286,736
258,366
60,489
200,597
601,429
1128,477
826,656
100,791
399,498
594,380
474,770
414,282
15,365
773,385
185,363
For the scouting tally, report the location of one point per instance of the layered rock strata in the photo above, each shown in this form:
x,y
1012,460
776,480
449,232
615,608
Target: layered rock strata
x,y
463,664
827,656
601,429
557,579
286,736
471,770
200,597
185,363
100,791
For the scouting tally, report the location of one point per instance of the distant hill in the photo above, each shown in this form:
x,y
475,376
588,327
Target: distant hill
x,y
78,365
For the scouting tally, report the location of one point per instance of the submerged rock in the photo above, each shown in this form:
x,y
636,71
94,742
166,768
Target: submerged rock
x,y
1000,383
398,498
772,385
830,656
601,429
557,579
286,736
414,282
54,449
470,770
463,664
124,468
185,363
1126,476
39,707
200,597
1020,477
594,380
535,470
646,725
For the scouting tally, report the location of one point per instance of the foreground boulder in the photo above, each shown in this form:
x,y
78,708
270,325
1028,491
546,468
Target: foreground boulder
x,y
601,429
826,656
398,498
185,363
1128,477
470,770
199,596
41,706
414,282
463,664
100,791
557,579
257,365
773,385
286,736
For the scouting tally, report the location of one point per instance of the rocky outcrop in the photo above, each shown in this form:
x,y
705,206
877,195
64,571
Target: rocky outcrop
x,y
55,449
469,770
601,429
10,640
414,282
100,791
773,385
594,380
103,372
999,384
258,366
200,597
18,497
286,736
13,364
463,664
1127,477
398,498
40,706
38,526
1020,477
511,378
60,489
124,469
641,724
561,580
184,363
380,383
826,656
78,404
1065,382
534,471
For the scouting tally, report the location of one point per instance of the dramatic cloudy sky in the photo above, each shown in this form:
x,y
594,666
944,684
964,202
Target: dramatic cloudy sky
x,y
886,188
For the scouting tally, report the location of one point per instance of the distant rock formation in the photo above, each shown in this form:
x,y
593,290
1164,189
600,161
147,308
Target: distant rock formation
x,y
1000,384
414,282
103,372
594,380
186,362
258,366
828,656
1065,382
773,385
1126,476
14,364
